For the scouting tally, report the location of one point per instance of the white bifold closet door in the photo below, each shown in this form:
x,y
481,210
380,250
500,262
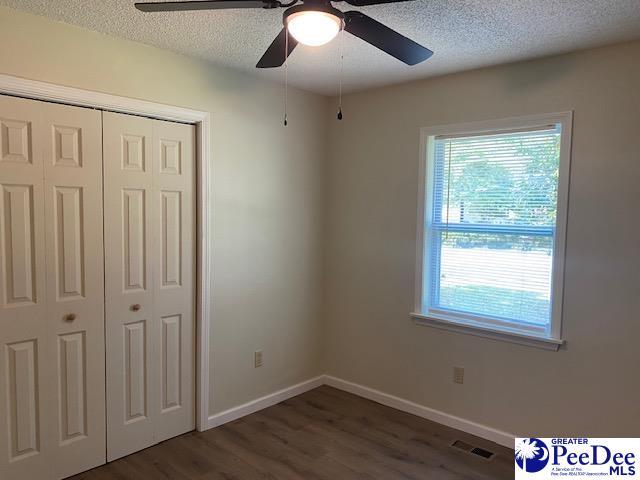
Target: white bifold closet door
x,y
149,185
52,382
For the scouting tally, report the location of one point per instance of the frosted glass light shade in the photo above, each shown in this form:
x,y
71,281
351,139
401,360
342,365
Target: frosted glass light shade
x,y
313,28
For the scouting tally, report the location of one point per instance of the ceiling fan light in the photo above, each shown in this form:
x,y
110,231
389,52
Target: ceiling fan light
x,y
313,28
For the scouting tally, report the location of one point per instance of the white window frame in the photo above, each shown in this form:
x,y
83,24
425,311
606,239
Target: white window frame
x,y
477,325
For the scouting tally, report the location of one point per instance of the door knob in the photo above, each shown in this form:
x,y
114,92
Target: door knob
x,y
135,307
70,317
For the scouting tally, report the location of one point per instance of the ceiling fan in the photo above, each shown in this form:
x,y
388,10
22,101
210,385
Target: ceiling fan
x,y
314,23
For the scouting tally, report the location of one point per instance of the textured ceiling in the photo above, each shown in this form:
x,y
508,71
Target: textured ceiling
x,y
464,34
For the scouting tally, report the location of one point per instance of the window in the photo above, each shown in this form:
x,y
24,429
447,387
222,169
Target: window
x,y
491,228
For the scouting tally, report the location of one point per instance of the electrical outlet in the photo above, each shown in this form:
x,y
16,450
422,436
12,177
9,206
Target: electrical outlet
x,y
458,375
257,358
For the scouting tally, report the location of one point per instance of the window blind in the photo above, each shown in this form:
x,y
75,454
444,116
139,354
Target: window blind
x,y
492,225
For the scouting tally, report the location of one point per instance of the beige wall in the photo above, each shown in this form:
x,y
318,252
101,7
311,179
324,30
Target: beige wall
x,y
592,386
267,187
280,211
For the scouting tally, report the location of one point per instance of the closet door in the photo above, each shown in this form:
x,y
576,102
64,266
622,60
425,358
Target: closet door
x,y
131,368
24,365
51,290
149,195
173,279
75,288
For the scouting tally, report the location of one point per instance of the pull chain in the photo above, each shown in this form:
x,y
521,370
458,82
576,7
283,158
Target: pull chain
x,y
341,72
286,70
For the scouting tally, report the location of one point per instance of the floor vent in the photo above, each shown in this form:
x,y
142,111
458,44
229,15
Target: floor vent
x,y
460,445
466,447
482,453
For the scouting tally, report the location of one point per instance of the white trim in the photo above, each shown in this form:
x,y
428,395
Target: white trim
x,y
468,426
480,330
566,120
35,89
492,434
204,308
509,123
264,402
22,87
427,134
424,215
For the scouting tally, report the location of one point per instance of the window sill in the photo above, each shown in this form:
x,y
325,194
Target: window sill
x,y
487,332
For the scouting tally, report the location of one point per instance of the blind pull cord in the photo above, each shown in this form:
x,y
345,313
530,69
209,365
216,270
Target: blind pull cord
x,y
446,232
341,72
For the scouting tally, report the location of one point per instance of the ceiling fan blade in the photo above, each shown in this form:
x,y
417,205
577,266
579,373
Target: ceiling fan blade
x,y
386,39
274,56
200,5
364,3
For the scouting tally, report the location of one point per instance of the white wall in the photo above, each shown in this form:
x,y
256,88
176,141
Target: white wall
x,y
267,183
590,387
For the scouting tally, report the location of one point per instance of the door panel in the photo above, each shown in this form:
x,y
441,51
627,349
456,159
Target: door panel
x,y
24,369
149,185
75,287
171,351
16,140
135,347
69,238
171,238
174,253
50,266
72,386
135,245
19,253
23,401
129,299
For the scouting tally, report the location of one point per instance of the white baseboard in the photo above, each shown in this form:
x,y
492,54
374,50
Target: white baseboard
x,y
477,429
263,402
498,436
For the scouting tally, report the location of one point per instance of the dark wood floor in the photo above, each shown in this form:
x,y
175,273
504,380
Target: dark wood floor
x,y
322,434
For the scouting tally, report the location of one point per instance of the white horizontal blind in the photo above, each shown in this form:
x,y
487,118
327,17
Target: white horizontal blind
x,y
492,226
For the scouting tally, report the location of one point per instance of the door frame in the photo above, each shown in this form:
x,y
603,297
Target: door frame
x,y
22,87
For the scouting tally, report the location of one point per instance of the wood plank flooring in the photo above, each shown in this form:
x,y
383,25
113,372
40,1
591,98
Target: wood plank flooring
x,y
321,434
